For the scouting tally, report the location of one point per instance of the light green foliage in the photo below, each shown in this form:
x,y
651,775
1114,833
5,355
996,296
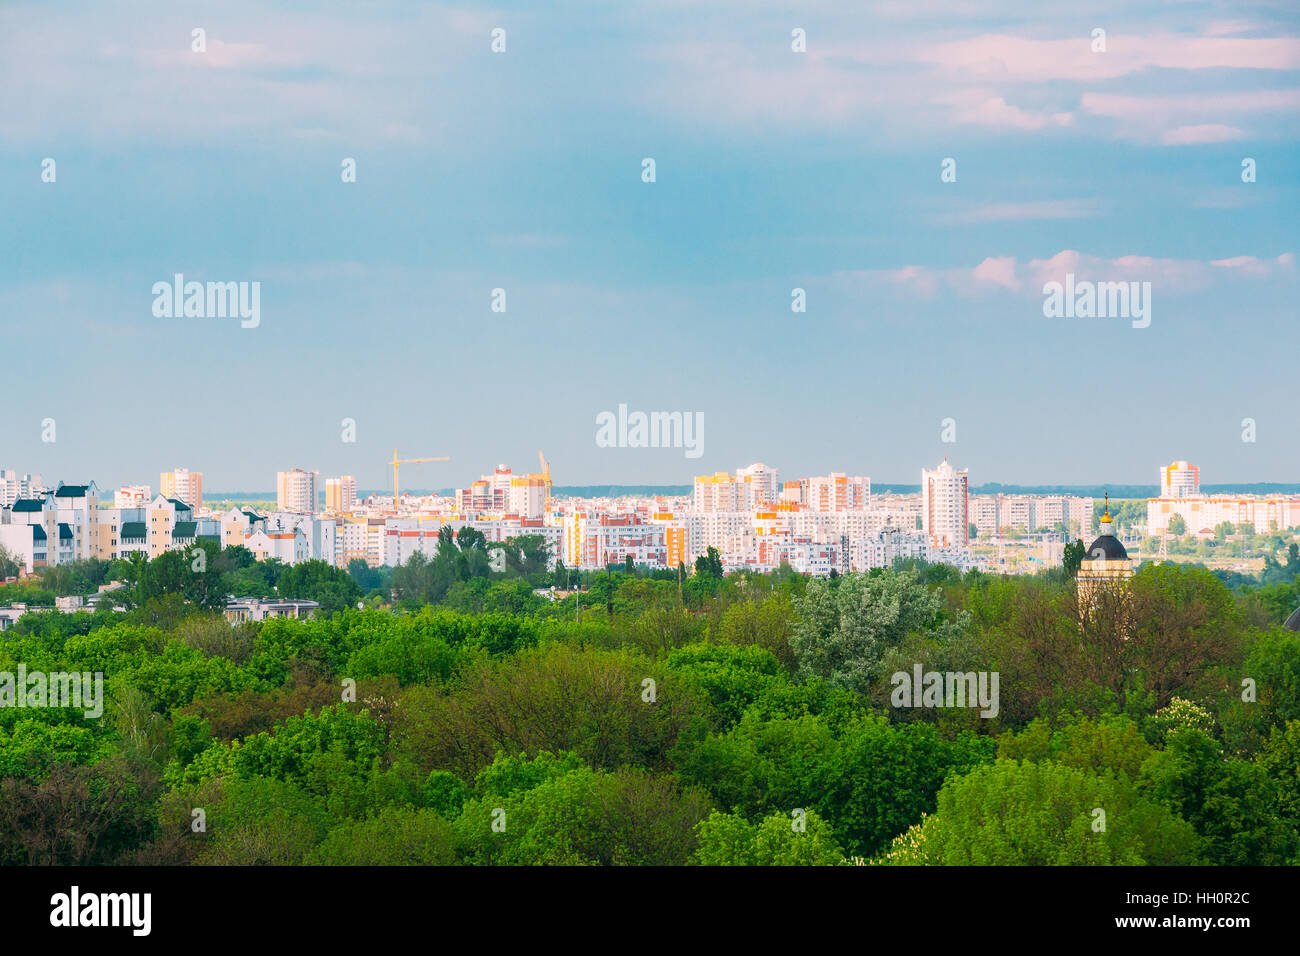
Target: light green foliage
x,y
1112,743
727,839
575,816
1043,814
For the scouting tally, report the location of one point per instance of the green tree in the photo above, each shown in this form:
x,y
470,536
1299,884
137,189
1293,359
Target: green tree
x,y
10,566
1231,803
1044,814
709,564
333,588
727,839
397,836
1072,557
844,629
625,817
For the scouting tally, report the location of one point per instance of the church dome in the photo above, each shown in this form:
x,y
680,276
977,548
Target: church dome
x,y
1107,547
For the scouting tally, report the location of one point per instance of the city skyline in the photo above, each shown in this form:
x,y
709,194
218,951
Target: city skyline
x,y
383,485
746,519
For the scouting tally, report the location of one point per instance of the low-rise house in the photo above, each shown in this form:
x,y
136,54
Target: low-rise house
x,y
239,610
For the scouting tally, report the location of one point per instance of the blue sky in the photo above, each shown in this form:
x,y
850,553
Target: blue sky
x,y
775,170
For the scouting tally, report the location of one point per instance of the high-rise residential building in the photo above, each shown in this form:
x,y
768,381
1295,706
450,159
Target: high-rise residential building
x,y
527,496
14,486
743,491
1182,479
183,485
945,516
490,494
795,492
764,487
839,492
295,491
341,494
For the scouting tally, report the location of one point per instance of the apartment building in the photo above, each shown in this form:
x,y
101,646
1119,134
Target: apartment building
x,y
14,486
183,485
596,541
945,516
341,495
296,491
1202,513
838,492
1181,479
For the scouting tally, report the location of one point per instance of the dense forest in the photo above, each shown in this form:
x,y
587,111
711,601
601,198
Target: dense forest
x,y
481,709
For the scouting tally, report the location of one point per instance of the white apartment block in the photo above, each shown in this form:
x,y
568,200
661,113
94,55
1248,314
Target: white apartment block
x,y
296,491
944,514
288,544
319,532
769,552
526,497
839,492
403,537
352,542
68,524
491,493
596,541
1202,513
764,487
55,528
997,514
14,486
1181,479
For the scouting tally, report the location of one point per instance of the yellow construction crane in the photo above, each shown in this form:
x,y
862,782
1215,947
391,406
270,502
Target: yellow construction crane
x,y
546,474
407,461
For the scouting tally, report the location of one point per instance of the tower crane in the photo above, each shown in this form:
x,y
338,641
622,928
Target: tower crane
x,y
407,461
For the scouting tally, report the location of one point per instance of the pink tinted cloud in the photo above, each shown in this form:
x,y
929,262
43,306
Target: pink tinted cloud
x,y
1021,59
1203,133
1007,273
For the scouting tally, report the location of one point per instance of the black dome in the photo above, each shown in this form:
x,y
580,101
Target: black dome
x,y
1108,547
1293,622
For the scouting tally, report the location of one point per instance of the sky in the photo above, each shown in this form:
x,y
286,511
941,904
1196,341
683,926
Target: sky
x,y
775,170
